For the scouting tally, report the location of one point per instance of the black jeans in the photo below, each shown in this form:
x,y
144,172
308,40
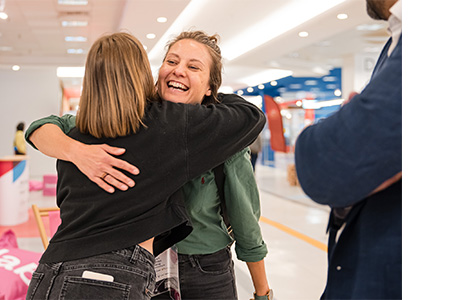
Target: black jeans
x,y
130,272
208,276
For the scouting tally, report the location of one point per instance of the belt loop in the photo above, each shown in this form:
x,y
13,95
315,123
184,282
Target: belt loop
x,y
192,260
56,267
135,255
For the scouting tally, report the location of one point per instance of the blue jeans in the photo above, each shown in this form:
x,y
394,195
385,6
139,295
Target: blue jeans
x,y
208,276
132,271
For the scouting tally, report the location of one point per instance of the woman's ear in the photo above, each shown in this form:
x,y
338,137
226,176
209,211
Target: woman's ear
x,y
208,92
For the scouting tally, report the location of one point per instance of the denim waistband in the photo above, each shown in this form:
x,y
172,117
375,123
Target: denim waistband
x,y
137,253
186,256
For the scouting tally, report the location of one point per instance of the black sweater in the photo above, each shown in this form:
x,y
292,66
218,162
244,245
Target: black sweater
x,y
179,143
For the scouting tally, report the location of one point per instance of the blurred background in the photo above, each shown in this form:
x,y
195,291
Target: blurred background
x,y
298,54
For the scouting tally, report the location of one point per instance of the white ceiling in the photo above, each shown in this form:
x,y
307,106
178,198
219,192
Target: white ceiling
x,y
33,35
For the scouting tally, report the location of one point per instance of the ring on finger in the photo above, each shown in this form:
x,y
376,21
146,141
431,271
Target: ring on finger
x,y
104,175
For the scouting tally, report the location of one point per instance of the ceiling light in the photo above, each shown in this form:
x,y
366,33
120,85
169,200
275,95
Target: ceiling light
x,y
162,19
15,68
3,15
261,86
342,16
156,53
369,27
287,17
303,34
70,72
75,51
240,92
75,39
151,36
250,90
273,83
74,23
73,2
265,76
311,82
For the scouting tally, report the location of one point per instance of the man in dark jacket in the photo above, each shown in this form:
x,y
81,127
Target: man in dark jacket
x,y
352,161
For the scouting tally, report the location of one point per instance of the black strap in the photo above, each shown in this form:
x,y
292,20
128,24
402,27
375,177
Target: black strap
x,y
338,217
219,177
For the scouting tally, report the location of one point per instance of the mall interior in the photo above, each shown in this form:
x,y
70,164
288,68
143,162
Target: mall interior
x,y
297,60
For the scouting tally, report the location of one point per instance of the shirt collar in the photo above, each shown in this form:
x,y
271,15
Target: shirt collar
x,y
395,19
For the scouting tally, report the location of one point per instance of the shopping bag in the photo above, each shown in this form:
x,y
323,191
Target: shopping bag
x,y
167,278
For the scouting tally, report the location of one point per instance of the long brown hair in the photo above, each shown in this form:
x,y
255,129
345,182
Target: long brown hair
x,y
211,43
117,84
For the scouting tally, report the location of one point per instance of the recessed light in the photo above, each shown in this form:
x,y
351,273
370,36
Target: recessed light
x,y
15,68
303,34
3,15
74,23
75,51
162,19
75,39
342,16
70,72
73,2
250,90
151,36
261,86
273,83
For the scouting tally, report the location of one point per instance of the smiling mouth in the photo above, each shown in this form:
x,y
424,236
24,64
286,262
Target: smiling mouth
x,y
177,85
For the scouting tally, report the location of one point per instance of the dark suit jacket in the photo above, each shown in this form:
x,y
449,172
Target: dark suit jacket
x,y
339,161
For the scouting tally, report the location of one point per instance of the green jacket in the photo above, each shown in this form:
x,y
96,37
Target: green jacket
x,y
203,205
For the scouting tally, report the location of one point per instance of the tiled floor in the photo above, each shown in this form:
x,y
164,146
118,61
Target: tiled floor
x,y
293,227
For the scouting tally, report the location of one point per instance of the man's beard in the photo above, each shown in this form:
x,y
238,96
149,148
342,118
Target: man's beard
x,y
375,9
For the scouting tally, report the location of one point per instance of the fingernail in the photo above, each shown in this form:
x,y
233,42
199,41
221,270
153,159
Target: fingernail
x,y
130,183
111,190
136,171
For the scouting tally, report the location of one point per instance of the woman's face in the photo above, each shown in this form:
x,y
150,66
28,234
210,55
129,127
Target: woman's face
x,y
184,74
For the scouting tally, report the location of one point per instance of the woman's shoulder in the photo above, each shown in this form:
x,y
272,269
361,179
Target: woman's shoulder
x,y
243,154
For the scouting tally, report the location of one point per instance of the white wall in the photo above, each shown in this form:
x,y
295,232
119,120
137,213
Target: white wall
x,y
356,72
27,95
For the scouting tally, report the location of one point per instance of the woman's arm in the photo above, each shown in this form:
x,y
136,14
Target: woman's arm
x,y
92,160
227,127
243,208
259,278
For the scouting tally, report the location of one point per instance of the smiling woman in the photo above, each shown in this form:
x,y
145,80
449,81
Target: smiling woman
x,y
191,68
185,72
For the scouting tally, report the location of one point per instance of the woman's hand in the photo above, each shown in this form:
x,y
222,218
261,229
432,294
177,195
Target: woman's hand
x,y
95,161
100,166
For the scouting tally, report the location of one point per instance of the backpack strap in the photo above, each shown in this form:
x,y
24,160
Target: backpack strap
x,y
219,177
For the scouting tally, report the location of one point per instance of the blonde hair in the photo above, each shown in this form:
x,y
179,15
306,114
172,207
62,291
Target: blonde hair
x,y
117,85
211,43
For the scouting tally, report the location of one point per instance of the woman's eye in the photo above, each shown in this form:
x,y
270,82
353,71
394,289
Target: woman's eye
x,y
194,67
170,62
